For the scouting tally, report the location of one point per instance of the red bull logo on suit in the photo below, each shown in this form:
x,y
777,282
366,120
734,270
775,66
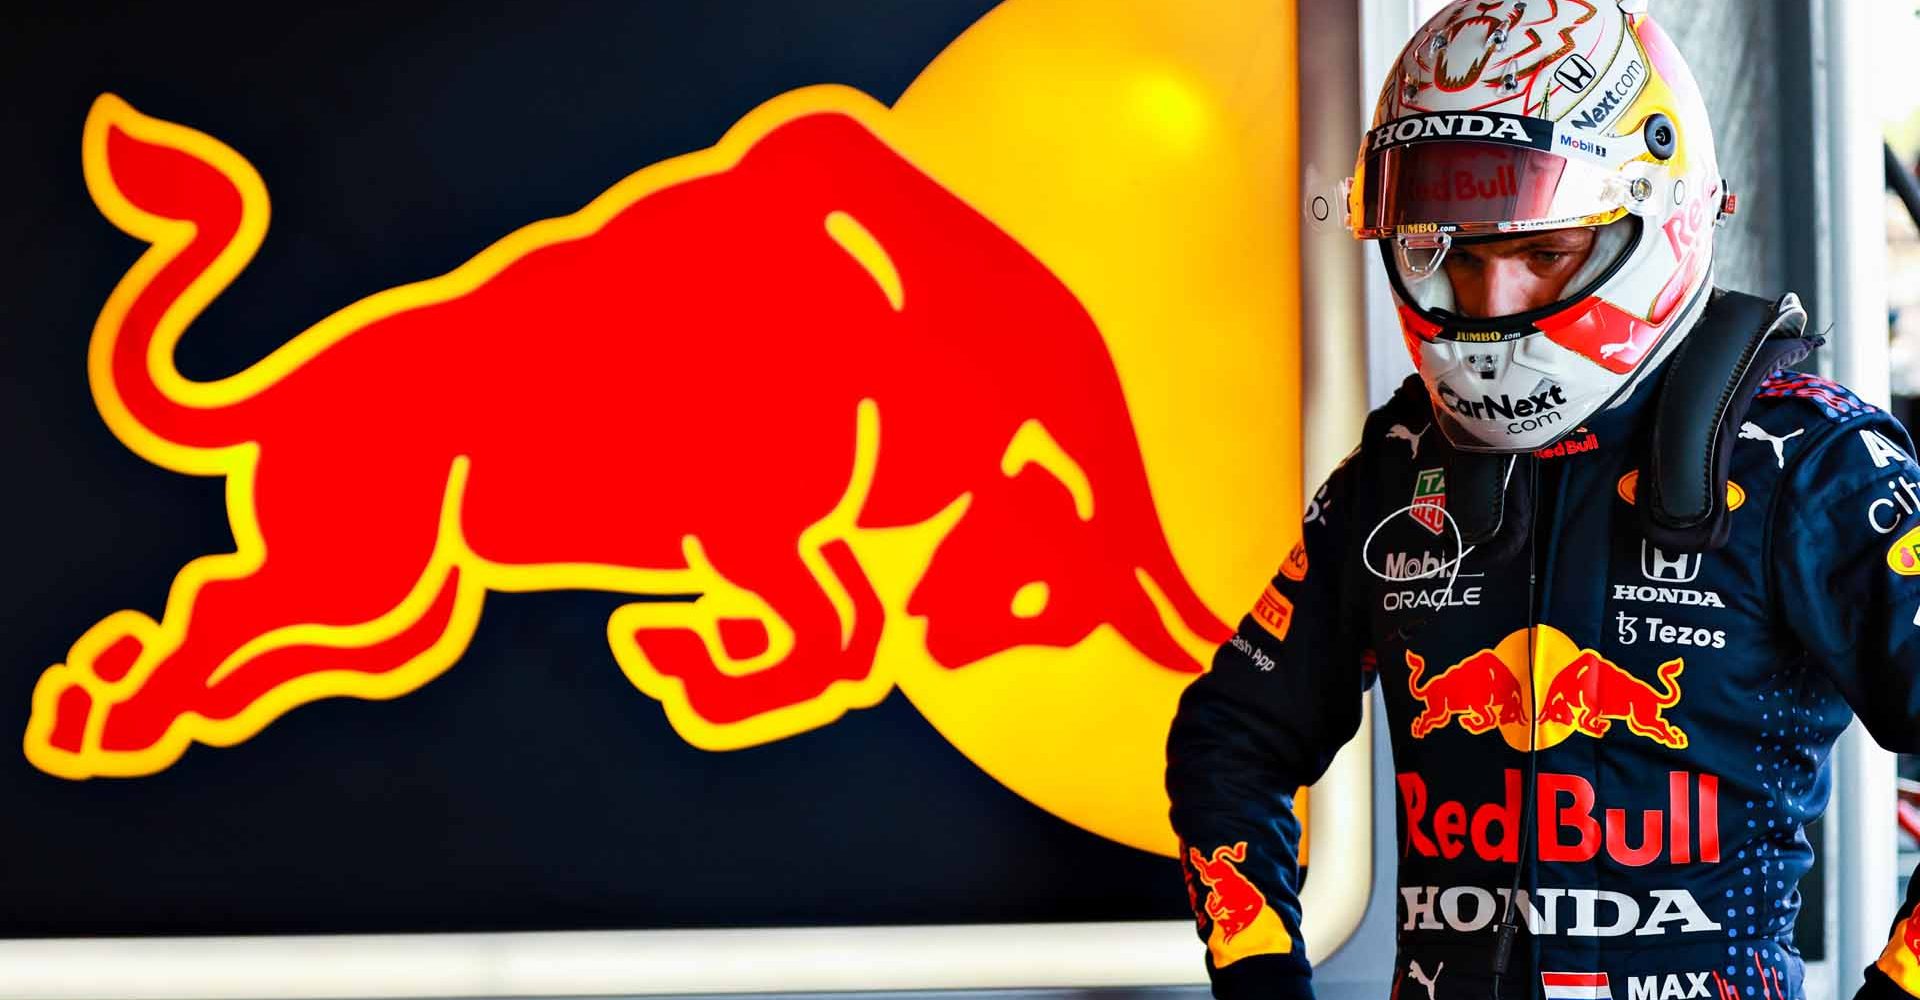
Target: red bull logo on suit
x,y
1569,691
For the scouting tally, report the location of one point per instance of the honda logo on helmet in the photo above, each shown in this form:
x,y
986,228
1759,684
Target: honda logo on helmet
x,y
1576,73
1513,130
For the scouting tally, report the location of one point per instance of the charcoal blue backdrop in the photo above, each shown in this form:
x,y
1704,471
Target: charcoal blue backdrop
x,y
531,787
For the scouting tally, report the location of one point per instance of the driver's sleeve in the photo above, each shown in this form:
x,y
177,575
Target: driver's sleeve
x,y
1281,697
1847,558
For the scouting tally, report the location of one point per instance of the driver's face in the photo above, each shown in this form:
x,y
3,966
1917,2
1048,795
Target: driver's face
x,y
1504,277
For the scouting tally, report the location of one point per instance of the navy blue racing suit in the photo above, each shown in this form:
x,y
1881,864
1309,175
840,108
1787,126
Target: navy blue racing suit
x,y
1683,706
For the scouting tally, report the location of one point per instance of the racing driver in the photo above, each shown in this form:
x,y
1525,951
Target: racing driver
x,y
1620,606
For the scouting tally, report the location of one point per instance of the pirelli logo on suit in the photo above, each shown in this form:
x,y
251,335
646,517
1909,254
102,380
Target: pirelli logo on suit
x,y
1274,612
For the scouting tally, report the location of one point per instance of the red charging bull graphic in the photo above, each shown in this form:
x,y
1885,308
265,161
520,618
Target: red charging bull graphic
x,y
706,381
1591,693
1243,923
1573,690
1479,691
1232,901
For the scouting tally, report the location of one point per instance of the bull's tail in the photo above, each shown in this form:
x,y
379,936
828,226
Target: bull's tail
x,y
1669,674
1416,665
204,210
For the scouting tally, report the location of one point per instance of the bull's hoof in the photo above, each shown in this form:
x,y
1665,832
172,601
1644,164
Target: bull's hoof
x,y
72,733
72,719
110,652
56,737
72,707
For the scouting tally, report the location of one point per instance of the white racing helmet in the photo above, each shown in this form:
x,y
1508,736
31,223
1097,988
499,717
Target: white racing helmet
x,y
1505,117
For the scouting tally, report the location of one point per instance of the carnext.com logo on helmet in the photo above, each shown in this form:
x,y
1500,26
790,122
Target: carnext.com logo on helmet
x,y
1615,97
1516,130
1540,405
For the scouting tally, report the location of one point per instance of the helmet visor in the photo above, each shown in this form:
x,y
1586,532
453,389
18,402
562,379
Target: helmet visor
x,y
1478,188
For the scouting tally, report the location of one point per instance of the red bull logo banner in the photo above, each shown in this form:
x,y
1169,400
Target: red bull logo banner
x,y
449,462
849,402
1561,691
368,542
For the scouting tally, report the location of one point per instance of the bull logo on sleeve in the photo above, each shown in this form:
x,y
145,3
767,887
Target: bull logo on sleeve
x,y
1243,923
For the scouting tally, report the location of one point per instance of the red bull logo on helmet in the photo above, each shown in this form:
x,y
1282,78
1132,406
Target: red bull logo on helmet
x,y
1571,691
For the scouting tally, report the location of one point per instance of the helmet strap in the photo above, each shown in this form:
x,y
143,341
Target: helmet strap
x,y
1704,396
